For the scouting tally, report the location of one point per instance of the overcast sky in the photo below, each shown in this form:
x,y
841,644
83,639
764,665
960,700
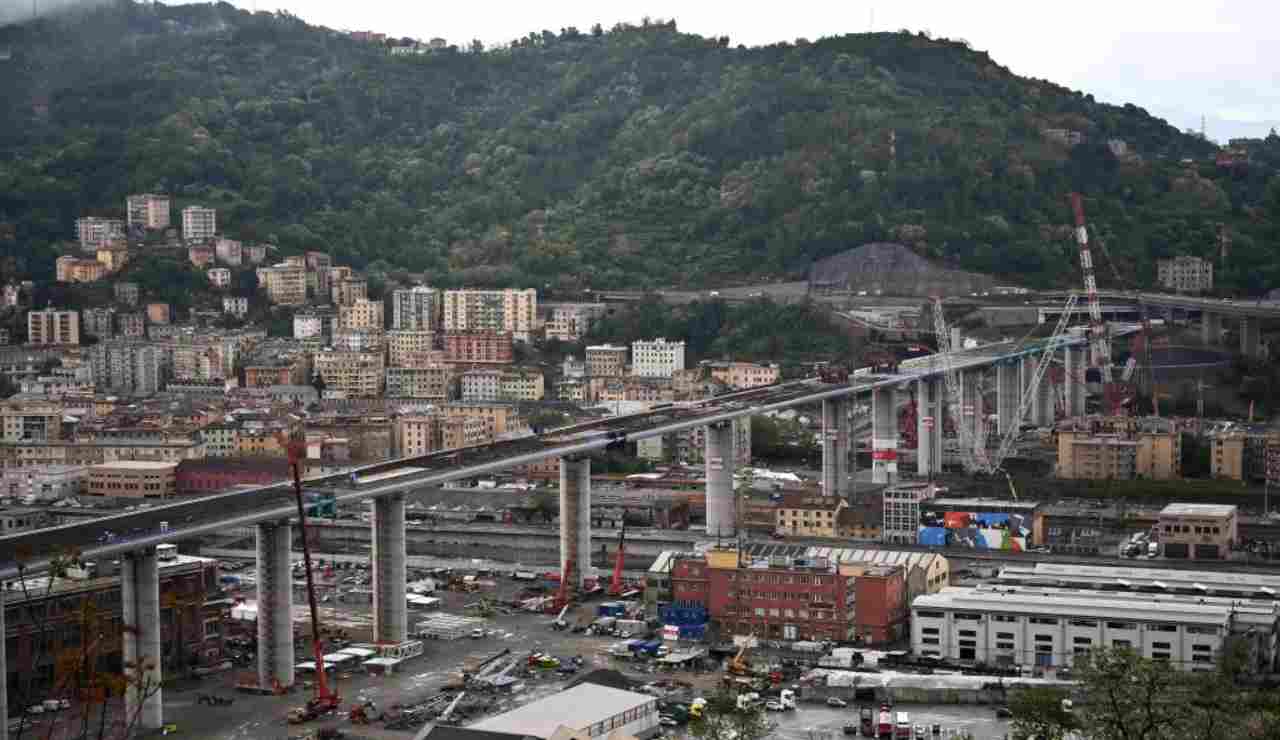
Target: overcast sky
x,y
1179,59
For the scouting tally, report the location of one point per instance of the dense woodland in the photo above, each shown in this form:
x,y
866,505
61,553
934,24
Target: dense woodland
x,y
630,156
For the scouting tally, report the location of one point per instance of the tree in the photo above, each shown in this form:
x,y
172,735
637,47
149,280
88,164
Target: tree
x,y
722,720
1039,711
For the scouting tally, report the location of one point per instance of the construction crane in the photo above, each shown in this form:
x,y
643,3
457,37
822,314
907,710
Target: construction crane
x,y
1099,344
615,586
325,699
965,430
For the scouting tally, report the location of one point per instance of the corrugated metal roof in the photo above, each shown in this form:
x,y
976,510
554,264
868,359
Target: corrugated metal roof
x,y
970,599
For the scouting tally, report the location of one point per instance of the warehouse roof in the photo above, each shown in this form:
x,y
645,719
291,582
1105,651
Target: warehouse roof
x,y
1201,580
1083,606
1215,510
578,708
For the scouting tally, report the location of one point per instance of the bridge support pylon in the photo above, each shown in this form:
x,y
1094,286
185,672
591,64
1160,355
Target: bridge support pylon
x,y
719,455
275,605
835,447
575,519
884,435
1008,395
1249,345
929,412
1210,328
140,592
390,609
1073,362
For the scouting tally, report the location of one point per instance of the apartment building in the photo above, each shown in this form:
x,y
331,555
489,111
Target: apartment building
x,y
347,290
237,306
1137,448
510,311
359,340
264,371
112,258
285,284
1198,531
742,375
606,361
312,323
30,420
403,344
522,384
467,431
808,515
200,255
418,382
134,479
126,293
481,385
502,417
415,309
1185,274
228,251
255,254
361,313
148,211
416,435
1241,453
47,483
569,322
94,233
1044,631
689,445
656,358
98,322
902,509
199,223
131,325
478,347
69,269
52,326
127,367
351,374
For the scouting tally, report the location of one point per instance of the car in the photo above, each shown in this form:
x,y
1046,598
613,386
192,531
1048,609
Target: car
x,y
477,633
667,720
1003,712
773,705
835,701
35,709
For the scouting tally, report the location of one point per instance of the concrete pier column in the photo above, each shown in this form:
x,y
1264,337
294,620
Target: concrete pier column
x,y
1043,403
972,410
884,435
1027,374
835,447
575,519
1210,328
1008,396
929,417
1073,378
720,457
390,609
140,592
275,605
4,671
1249,336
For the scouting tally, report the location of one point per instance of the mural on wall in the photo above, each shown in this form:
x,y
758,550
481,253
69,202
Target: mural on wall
x,y
979,531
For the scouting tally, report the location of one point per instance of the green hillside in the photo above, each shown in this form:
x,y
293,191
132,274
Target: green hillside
x,y
637,156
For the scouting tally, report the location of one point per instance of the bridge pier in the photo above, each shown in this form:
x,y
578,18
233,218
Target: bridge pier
x,y
140,593
1210,328
1008,396
884,435
275,605
390,609
971,410
835,447
929,416
1073,380
4,671
575,519
1249,336
720,457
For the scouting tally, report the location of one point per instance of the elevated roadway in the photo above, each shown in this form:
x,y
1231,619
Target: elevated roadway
x,y
108,537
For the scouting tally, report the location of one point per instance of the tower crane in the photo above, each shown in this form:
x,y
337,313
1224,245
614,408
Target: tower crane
x,y
964,430
1099,342
615,586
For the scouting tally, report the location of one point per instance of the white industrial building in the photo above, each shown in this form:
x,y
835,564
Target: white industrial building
x,y
1236,584
586,709
1042,632
656,358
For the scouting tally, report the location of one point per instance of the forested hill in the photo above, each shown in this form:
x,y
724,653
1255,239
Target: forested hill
x,y
637,156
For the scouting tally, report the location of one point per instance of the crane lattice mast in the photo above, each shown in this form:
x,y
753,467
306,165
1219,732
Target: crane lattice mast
x,y
1099,347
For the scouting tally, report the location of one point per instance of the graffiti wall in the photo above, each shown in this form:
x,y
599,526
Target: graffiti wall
x,y
979,531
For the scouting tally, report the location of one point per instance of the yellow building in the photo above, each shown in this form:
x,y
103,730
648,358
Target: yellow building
x,y
285,284
30,420
134,479
346,290
416,435
361,313
259,443
743,374
806,515
112,258
606,361
465,432
351,374
504,417
78,270
403,346
1141,448
522,384
512,311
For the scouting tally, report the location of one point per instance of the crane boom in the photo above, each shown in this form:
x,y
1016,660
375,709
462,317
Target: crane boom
x,y
325,699
1099,348
963,429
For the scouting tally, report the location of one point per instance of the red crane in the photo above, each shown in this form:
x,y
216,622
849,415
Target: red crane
x,y
615,586
325,699
1099,348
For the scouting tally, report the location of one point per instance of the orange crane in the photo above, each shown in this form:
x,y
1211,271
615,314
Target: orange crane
x,y
615,586
325,700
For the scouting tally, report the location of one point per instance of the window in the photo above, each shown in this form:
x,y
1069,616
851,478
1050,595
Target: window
x,y
1201,648
1159,646
1083,623
1004,646
965,617
1083,641
1162,628
1155,655
1004,635
930,615
968,633
1043,620
1003,618
1202,630
929,640
1120,626
1121,643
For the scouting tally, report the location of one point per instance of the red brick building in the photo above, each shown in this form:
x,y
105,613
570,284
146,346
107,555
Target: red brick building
x,y
793,598
479,346
210,474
